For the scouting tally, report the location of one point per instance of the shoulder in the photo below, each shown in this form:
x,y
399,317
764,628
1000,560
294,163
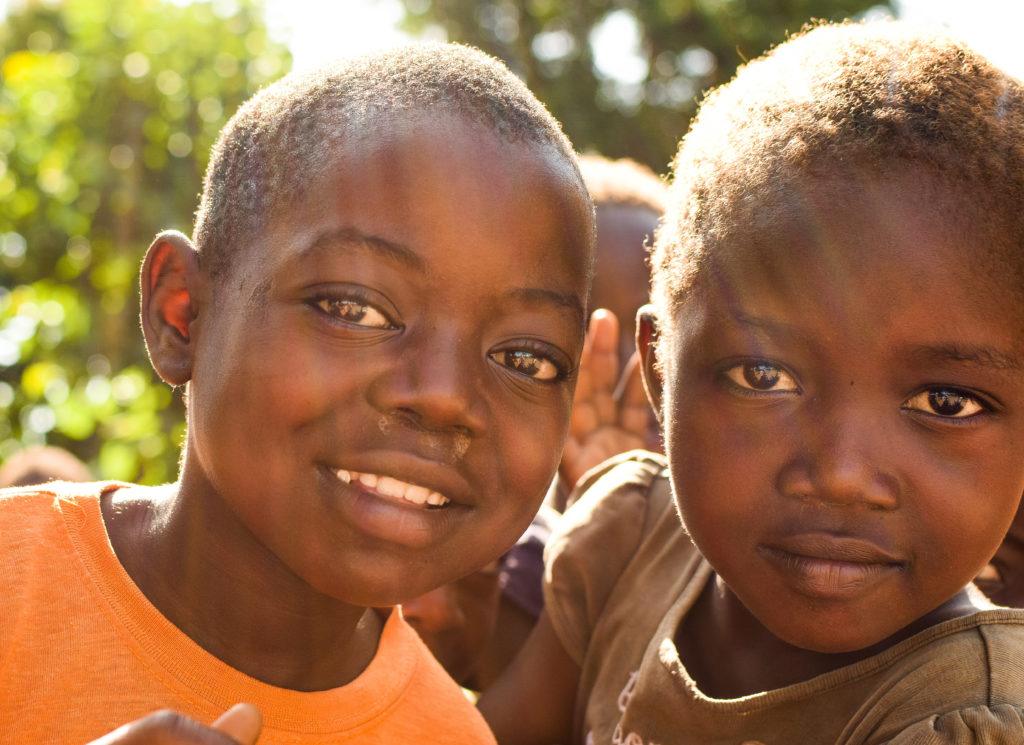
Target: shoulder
x,y
617,495
39,523
622,503
1000,724
959,682
27,510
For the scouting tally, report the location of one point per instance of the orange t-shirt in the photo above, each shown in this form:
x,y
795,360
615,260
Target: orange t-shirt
x,y
82,651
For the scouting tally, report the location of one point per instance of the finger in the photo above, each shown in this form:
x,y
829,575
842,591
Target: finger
x,y
168,728
593,402
583,420
242,722
603,337
604,363
635,413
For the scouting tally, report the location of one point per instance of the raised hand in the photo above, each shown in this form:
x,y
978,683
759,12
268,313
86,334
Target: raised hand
x,y
239,725
610,411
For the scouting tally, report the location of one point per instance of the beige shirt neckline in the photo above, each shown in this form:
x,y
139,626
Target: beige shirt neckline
x,y
701,573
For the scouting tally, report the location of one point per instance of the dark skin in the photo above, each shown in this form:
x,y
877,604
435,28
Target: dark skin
x,y
468,626
875,402
417,317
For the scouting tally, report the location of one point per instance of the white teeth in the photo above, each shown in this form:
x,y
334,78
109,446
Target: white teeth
x,y
418,494
392,487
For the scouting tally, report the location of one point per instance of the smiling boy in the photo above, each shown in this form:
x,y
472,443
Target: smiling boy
x,y
378,324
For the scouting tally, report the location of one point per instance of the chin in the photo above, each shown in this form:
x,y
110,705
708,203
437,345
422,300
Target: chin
x,y
827,636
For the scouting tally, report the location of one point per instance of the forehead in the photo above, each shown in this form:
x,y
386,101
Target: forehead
x,y
427,183
857,254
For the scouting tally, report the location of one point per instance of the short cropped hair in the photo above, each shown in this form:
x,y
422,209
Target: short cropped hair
x,y
622,182
869,98
283,138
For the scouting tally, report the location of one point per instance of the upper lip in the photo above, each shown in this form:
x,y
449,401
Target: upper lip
x,y
826,546
413,470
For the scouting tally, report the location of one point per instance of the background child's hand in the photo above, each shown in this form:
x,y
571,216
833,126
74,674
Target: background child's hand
x,y
610,412
239,725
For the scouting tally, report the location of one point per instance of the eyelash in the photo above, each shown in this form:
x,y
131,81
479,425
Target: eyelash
x,y
986,407
754,392
357,297
541,351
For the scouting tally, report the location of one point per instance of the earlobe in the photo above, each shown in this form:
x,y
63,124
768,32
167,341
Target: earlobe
x,y
170,287
647,345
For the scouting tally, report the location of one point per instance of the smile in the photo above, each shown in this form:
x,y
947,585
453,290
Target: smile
x,y
388,486
830,567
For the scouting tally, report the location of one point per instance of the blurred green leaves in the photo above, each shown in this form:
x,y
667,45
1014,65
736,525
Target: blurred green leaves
x,y
108,110
624,76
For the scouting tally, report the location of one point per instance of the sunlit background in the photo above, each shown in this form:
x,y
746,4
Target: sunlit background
x,y
108,109
317,31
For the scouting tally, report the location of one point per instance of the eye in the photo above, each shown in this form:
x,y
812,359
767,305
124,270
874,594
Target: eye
x,y
762,376
355,311
531,364
948,403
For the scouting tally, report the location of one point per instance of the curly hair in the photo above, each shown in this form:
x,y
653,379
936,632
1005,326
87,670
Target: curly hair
x,y
854,98
282,139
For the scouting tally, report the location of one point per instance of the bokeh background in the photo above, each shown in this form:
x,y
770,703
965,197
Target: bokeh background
x,y
108,109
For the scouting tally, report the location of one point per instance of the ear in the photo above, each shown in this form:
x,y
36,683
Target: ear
x,y
171,284
647,345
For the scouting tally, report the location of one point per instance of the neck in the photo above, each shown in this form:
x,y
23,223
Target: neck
x,y
729,653
203,570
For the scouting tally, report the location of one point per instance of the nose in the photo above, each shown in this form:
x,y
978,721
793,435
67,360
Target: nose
x,y
434,612
842,461
434,384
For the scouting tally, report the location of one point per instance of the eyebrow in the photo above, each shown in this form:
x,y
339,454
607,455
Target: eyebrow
x,y
776,328
552,297
344,238
973,354
976,355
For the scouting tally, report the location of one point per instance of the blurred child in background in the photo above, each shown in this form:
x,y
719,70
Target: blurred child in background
x,y
38,464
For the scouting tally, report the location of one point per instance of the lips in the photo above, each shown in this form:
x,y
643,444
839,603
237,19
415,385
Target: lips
x,y
831,567
397,498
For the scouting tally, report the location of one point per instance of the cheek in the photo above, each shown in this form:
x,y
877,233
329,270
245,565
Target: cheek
x,y
523,457
961,504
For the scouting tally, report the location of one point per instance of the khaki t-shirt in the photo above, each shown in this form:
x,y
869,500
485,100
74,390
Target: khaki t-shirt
x,y
621,575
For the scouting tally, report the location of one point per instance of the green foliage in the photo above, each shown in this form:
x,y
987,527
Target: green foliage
x,y
108,110
669,51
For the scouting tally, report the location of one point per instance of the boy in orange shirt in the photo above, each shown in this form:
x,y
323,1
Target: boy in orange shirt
x,y
378,322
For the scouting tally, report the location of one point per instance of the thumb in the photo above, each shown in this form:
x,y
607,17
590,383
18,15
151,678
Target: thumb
x,y
242,722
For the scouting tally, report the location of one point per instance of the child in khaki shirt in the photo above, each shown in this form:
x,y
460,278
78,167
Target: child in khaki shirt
x,y
378,322
835,351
